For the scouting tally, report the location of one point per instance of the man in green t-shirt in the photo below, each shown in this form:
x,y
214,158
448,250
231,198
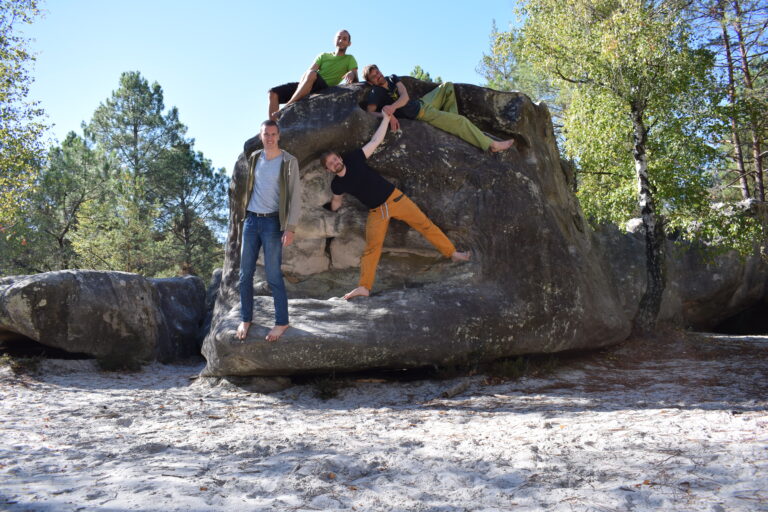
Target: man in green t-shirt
x,y
327,71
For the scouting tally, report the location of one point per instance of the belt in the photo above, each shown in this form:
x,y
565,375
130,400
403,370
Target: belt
x,y
273,214
385,206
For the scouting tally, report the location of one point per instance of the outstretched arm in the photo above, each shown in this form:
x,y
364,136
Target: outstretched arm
x,y
378,136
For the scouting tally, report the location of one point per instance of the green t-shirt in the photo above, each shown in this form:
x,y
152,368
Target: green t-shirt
x,y
333,67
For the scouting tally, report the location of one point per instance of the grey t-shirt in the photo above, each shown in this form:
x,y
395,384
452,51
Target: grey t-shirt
x,y
266,185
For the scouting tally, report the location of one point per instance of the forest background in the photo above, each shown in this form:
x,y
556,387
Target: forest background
x,y
660,108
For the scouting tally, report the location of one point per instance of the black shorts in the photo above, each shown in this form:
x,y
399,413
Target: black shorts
x,y
285,92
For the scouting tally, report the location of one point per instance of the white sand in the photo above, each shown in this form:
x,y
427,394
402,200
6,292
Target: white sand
x,y
680,429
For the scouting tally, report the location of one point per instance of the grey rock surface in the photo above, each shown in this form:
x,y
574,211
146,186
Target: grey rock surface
x,y
534,285
105,314
703,289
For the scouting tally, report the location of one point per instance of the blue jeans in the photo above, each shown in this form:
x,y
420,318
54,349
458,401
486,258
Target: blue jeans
x,y
258,232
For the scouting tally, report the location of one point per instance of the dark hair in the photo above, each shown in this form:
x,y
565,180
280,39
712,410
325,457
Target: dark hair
x,y
367,70
270,122
325,156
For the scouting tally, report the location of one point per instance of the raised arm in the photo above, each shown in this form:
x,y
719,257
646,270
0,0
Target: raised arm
x,y
335,202
378,136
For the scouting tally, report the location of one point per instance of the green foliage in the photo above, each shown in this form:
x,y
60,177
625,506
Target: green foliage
x,y
190,194
616,57
167,203
505,69
130,195
131,123
419,73
117,232
75,174
21,126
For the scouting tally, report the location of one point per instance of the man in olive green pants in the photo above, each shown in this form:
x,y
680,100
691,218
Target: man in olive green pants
x,y
437,108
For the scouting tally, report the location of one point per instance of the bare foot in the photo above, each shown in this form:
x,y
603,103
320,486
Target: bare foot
x,y
501,145
276,332
242,330
360,291
460,257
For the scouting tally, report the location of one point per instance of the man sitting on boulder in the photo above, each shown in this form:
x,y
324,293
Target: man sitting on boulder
x,y
437,108
327,71
354,176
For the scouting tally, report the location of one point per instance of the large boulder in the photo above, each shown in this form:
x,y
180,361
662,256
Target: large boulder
x,y
105,314
535,283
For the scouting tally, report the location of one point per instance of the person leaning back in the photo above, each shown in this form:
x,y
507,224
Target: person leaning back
x,y
438,108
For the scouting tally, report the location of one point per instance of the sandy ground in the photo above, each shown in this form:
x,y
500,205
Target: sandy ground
x,y
678,425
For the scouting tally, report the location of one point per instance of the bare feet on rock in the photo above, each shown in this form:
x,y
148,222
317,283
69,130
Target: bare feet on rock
x,y
276,332
501,145
461,257
242,330
360,291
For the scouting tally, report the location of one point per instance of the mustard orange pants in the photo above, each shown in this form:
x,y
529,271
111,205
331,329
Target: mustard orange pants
x,y
397,206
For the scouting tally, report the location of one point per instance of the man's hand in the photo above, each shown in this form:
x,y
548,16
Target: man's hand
x,y
394,124
350,77
389,110
287,238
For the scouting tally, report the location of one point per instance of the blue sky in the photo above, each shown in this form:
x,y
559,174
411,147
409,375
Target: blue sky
x,y
215,60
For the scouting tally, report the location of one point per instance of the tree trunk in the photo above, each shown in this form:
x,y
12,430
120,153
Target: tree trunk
x,y
650,303
737,154
753,122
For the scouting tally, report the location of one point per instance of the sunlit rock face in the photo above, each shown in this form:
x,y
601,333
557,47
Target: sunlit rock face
x,y
114,315
534,284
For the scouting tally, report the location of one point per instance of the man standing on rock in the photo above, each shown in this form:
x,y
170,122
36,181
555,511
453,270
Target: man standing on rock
x,y
327,71
354,176
271,212
437,108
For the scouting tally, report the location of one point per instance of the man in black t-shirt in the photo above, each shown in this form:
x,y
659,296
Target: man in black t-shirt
x,y
385,201
437,108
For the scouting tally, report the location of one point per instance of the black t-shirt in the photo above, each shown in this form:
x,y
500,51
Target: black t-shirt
x,y
361,181
381,97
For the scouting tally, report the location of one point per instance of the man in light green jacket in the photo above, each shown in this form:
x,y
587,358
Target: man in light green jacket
x,y
271,212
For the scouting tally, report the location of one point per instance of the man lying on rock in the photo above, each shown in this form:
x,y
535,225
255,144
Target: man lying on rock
x,y
438,108
327,71
354,176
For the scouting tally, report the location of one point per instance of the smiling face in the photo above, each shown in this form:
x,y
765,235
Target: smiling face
x,y
343,40
334,164
270,136
375,77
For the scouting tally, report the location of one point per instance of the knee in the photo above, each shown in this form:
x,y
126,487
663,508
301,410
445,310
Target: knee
x,y
371,250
